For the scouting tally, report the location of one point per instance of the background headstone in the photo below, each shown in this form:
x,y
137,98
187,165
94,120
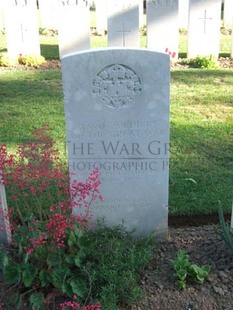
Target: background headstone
x,y
117,120
1,16
162,26
5,233
183,14
228,13
123,23
47,14
204,28
141,13
101,16
74,26
22,29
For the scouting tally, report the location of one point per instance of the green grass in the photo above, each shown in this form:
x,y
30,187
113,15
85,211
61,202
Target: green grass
x,y
201,122
49,44
201,166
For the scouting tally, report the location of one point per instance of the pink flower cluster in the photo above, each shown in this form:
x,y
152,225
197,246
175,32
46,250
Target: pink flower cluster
x,y
39,187
73,306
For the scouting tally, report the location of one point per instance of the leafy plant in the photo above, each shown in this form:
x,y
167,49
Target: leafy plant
x,y
50,241
54,251
226,231
114,262
186,270
207,62
31,60
6,60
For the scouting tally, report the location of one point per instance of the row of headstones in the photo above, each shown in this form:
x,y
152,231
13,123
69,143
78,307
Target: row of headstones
x,y
21,24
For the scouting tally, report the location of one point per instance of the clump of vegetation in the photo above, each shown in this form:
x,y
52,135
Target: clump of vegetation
x,y
6,60
205,62
31,60
186,270
143,30
53,249
226,231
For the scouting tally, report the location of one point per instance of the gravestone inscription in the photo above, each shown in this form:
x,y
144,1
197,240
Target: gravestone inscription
x,y
162,26
117,120
204,28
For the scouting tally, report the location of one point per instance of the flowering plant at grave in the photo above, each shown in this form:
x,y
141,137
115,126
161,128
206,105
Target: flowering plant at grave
x,y
47,255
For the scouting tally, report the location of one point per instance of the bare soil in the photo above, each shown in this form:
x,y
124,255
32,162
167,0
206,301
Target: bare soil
x,y
203,246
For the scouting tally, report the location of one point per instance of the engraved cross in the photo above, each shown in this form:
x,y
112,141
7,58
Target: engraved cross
x,y
205,18
123,31
22,30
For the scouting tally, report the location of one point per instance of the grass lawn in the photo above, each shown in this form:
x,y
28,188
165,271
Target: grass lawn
x,y
201,166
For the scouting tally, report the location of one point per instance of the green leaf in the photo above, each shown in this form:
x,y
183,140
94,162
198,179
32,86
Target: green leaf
x,y
43,276
70,259
3,258
182,274
71,239
78,261
53,259
12,273
58,275
181,284
67,289
79,287
36,300
29,274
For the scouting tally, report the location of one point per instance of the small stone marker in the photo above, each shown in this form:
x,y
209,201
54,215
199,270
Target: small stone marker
x,y
162,26
101,16
5,233
22,29
74,26
123,23
117,120
204,28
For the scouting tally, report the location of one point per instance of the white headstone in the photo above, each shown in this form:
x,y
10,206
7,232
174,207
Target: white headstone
x,y
204,28
228,13
183,14
1,17
141,13
162,26
47,14
74,26
101,16
123,23
117,120
22,29
5,233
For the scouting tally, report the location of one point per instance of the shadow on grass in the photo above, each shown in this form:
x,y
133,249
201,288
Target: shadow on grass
x,y
49,51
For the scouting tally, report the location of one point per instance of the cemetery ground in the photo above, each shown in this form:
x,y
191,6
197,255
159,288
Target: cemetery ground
x,y
200,174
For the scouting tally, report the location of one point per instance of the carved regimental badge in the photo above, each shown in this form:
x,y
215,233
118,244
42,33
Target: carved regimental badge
x,y
116,86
